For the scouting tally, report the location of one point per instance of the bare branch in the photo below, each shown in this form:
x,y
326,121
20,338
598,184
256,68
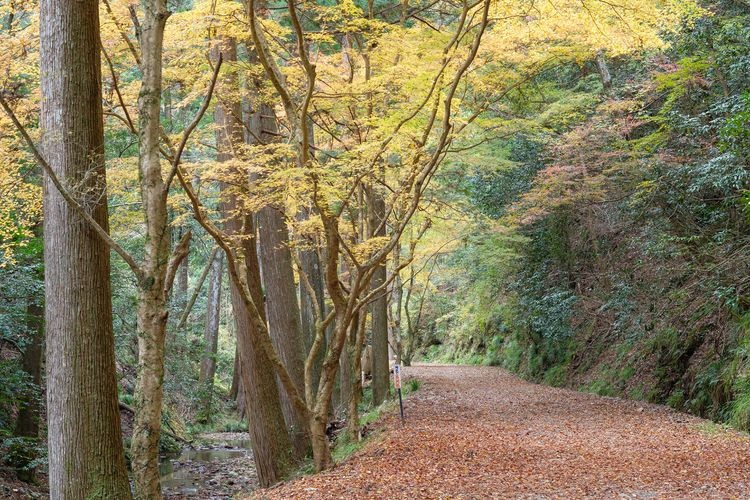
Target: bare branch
x,y
178,255
72,202
189,130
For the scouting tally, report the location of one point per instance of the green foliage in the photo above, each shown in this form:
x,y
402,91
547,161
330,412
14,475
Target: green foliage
x,y
634,211
555,376
601,387
20,287
24,455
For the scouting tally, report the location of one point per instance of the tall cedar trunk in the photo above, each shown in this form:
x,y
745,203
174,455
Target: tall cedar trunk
x,y
282,307
283,314
86,458
355,347
27,422
272,448
346,372
379,307
345,364
310,264
152,307
309,261
396,302
211,336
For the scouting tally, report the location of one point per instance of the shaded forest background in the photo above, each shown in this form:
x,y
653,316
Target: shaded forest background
x,y
611,253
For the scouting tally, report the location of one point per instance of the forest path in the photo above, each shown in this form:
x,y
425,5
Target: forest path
x,y
481,432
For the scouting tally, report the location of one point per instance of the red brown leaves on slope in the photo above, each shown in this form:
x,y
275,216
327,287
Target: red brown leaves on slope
x,y
478,432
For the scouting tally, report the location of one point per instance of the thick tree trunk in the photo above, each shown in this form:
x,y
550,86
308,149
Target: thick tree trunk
x,y
283,314
282,307
379,307
211,336
153,307
272,447
86,458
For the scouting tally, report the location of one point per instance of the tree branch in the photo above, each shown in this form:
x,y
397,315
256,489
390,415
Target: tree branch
x,y
72,202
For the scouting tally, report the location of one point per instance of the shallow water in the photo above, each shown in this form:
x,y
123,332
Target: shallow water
x,y
185,471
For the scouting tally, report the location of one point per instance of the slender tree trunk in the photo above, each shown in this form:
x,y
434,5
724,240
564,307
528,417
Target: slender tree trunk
x,y
345,361
272,447
181,283
603,68
397,301
357,343
27,422
198,286
153,305
310,264
234,389
211,336
86,458
346,373
379,307
309,260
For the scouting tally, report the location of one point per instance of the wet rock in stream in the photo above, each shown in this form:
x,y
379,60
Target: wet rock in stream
x,y
219,469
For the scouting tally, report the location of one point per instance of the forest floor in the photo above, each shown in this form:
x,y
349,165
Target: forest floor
x,y
481,432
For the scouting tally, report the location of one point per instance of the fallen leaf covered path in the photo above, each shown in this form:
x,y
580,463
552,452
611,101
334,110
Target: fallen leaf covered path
x,y
477,432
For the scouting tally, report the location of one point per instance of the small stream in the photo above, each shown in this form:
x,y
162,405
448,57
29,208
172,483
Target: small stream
x,y
219,468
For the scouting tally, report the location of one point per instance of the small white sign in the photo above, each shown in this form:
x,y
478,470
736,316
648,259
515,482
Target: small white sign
x,y
397,376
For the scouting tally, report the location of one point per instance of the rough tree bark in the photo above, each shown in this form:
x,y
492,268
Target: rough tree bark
x,y
272,447
86,457
211,336
283,314
379,307
282,307
310,265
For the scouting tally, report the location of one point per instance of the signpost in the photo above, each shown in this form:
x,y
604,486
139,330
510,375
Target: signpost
x,y
397,385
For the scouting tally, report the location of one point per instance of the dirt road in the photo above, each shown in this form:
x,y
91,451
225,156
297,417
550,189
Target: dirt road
x,y
478,432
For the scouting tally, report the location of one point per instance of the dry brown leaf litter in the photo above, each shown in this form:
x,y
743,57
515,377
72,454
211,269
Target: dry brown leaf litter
x,y
479,432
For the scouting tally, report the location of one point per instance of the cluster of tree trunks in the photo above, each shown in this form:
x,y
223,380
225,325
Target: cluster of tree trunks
x,y
291,340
